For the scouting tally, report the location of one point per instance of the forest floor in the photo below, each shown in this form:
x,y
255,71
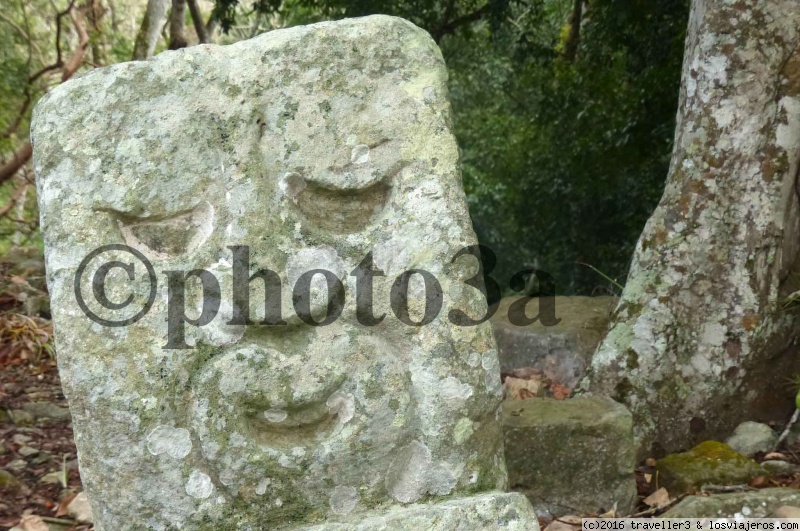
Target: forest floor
x,y
38,451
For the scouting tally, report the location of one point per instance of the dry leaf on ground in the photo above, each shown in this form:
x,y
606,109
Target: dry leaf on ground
x,y
520,389
658,499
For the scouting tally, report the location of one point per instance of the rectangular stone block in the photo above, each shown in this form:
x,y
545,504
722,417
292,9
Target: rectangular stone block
x,y
571,456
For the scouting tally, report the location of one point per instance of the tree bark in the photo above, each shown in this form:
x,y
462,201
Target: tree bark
x,y
154,18
177,36
197,20
701,339
574,38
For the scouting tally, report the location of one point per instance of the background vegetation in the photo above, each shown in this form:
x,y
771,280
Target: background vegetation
x,y
564,109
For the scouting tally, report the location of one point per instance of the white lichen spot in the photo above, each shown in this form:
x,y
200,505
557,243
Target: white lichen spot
x,y
406,478
360,154
441,480
463,430
342,405
275,415
175,442
343,499
451,389
473,478
199,485
261,488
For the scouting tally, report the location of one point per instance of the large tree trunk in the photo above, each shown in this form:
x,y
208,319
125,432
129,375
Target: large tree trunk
x,y
177,35
701,338
154,18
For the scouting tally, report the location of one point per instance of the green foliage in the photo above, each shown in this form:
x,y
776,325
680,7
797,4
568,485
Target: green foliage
x,y
563,159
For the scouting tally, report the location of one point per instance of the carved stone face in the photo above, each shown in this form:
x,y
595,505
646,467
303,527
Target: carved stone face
x,y
313,147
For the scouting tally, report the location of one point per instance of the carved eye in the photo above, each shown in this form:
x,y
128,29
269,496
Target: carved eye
x,y
168,236
337,211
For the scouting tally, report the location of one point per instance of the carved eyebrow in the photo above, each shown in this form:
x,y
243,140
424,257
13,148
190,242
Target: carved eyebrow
x,y
166,235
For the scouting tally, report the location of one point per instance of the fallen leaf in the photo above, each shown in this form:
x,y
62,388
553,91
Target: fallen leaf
x,y
31,522
61,510
650,462
80,509
610,514
648,477
571,519
560,392
520,389
774,456
555,525
786,511
759,482
658,499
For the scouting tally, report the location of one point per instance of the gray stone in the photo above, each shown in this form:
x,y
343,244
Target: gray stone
x,y
47,410
708,463
568,456
488,511
780,468
753,504
749,438
314,146
562,352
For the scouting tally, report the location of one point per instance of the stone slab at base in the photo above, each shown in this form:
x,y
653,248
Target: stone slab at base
x,y
496,510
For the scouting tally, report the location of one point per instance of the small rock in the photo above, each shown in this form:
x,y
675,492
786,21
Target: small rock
x,y
17,464
759,503
749,438
80,509
8,481
780,468
27,451
786,511
708,463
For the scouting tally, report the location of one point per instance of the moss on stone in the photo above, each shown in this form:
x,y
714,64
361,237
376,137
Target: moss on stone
x,y
708,463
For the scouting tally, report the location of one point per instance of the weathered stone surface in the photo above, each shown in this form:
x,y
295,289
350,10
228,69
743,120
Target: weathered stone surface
x,y
708,463
571,455
314,146
749,438
507,511
563,351
753,504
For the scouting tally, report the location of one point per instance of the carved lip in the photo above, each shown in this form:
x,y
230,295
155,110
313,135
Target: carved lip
x,y
297,424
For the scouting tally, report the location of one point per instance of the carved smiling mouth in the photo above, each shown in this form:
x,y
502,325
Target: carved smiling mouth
x,y
290,427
